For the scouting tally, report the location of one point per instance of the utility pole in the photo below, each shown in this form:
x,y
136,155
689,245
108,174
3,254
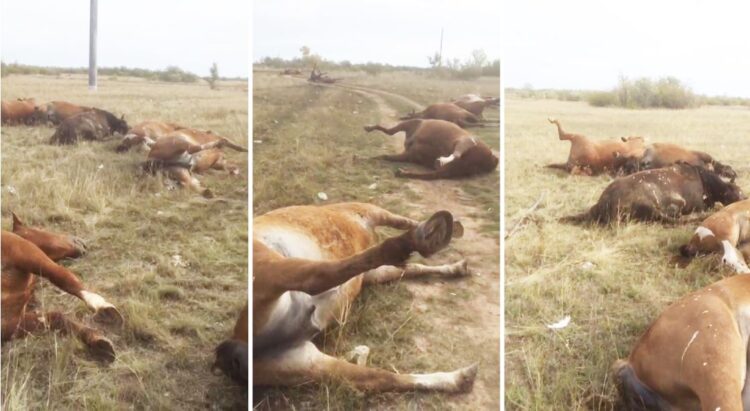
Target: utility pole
x,y
440,56
92,46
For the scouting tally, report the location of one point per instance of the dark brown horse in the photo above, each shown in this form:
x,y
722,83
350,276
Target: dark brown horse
x,y
94,125
660,195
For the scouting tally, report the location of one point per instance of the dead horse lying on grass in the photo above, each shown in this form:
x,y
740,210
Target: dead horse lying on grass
x,y
309,264
27,253
442,145
592,157
694,356
186,151
89,125
726,231
448,112
660,195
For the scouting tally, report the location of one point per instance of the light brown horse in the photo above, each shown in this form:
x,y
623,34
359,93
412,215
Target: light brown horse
x,y
728,232
58,111
476,104
28,253
309,265
591,157
20,111
694,356
146,133
232,353
448,112
188,151
452,151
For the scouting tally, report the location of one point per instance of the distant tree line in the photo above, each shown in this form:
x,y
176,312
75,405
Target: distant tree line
x,y
667,92
172,74
478,65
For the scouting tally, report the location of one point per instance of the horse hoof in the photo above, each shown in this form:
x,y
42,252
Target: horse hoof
x,y
109,315
434,234
103,350
208,193
465,378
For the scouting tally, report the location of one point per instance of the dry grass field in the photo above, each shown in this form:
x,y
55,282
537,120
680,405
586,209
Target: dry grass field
x,y
174,263
612,281
309,139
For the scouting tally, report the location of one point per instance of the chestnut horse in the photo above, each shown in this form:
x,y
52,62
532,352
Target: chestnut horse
x,y
728,232
694,356
441,145
186,151
28,253
309,265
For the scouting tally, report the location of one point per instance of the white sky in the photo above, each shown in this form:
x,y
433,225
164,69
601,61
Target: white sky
x,y
398,32
587,44
150,34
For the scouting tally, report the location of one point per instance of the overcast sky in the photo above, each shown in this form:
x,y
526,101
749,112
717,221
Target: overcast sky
x,y
398,32
150,34
587,44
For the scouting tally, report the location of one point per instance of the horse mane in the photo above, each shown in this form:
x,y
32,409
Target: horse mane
x,y
713,185
111,118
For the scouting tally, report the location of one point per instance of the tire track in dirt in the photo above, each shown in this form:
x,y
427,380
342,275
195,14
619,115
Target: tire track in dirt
x,y
481,250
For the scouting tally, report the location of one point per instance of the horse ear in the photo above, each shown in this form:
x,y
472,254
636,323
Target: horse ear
x,y
122,117
624,139
17,223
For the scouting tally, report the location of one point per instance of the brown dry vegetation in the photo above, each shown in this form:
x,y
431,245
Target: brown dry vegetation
x,y
309,139
613,301
174,315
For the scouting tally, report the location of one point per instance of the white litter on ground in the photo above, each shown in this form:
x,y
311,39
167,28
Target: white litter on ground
x,y
560,324
323,196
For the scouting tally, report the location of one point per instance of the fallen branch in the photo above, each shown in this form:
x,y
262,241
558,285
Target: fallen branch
x,y
517,225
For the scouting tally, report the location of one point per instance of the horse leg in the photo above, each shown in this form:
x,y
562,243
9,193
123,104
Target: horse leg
x,y
461,147
223,165
388,273
34,322
30,259
306,363
315,277
404,157
186,179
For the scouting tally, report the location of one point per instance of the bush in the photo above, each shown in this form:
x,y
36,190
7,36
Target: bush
x,y
667,92
174,74
602,98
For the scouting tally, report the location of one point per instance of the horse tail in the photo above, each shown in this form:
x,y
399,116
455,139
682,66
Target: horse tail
x,y
634,395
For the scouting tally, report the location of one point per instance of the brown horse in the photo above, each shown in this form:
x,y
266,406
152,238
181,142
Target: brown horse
x,y
660,155
728,232
20,111
591,157
188,151
448,112
442,145
231,354
475,104
27,253
146,133
694,356
309,265
58,111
